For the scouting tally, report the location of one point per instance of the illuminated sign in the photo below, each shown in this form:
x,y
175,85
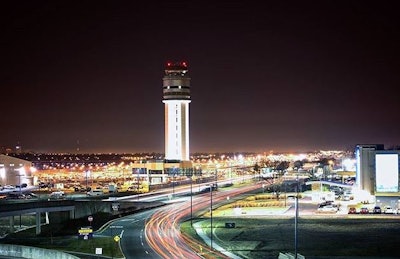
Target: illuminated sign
x,y
387,172
85,232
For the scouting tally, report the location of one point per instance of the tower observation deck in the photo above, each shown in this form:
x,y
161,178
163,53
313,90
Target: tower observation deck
x,y
176,83
176,99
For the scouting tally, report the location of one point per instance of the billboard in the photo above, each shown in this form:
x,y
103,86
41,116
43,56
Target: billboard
x,y
387,172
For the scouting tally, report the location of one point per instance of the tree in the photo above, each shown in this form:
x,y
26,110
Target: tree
x,y
282,166
298,164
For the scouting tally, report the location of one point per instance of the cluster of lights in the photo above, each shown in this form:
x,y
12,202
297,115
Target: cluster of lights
x,y
183,64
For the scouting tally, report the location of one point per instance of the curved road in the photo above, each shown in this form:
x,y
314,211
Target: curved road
x,y
130,229
155,233
163,229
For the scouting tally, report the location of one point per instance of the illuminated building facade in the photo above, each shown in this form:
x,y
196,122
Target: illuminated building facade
x,y
15,171
176,99
365,173
378,173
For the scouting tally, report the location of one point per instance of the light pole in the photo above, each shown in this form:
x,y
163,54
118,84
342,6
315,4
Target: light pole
x,y
284,185
216,178
211,219
86,174
191,197
215,184
173,185
197,180
138,182
296,216
230,172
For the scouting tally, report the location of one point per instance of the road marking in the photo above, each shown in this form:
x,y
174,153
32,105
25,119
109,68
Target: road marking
x,y
131,220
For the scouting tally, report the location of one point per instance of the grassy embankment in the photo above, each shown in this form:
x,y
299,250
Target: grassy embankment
x,y
64,237
257,235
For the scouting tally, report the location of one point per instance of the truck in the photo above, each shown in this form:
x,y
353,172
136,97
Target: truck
x,y
95,192
112,188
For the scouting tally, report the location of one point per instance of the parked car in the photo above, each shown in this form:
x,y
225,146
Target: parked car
x,y
325,203
328,208
352,210
364,210
377,210
81,189
346,197
24,185
388,210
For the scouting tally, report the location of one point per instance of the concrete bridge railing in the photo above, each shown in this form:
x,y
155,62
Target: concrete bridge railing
x,y
32,252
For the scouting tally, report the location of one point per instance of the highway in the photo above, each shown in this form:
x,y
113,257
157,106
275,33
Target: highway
x,y
130,229
163,228
156,233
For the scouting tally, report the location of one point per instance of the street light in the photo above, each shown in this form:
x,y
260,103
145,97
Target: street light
x,y
197,180
211,205
138,182
211,219
296,216
87,173
173,184
191,197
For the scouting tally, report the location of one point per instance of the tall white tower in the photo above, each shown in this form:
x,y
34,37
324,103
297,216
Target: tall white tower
x,y
176,98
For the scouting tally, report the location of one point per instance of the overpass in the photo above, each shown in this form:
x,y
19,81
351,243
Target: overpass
x,y
343,185
11,209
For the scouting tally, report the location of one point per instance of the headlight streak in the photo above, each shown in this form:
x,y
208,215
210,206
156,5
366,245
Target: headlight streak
x,y
162,230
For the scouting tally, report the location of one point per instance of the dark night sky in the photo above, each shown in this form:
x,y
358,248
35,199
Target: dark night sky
x,y
284,76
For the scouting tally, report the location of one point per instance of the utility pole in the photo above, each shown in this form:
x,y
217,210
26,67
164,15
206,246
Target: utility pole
x,y
191,197
296,216
211,219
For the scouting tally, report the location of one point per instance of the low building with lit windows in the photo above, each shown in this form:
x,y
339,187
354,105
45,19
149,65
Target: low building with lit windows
x,y
15,171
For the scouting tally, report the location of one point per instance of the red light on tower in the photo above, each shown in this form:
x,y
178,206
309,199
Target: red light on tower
x,y
168,64
184,64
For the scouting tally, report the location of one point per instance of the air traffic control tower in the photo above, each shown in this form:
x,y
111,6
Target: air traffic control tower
x,y
176,165
176,99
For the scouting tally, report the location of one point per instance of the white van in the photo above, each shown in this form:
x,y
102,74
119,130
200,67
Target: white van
x,y
95,192
57,195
